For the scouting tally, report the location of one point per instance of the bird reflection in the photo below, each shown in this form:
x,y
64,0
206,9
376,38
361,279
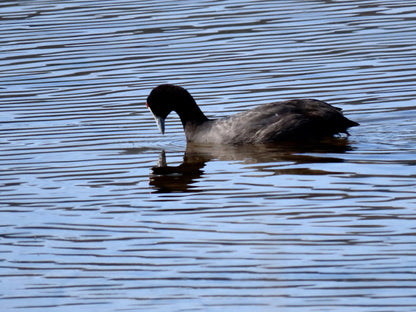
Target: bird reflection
x,y
176,178
182,178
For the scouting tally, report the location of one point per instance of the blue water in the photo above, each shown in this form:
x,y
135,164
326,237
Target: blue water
x,y
101,212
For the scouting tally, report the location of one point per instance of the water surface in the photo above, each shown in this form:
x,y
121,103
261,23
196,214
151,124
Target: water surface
x,y
101,212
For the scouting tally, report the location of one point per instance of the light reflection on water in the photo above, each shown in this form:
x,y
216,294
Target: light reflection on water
x,y
101,212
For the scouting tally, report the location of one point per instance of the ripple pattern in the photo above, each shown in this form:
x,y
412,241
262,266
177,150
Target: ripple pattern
x,y
101,212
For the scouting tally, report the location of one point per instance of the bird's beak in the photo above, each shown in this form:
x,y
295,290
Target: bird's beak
x,y
159,121
160,124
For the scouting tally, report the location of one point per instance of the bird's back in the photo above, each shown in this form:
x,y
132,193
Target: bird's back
x,y
299,119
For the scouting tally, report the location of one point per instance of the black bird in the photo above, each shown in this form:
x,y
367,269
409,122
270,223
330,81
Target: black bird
x,y
293,120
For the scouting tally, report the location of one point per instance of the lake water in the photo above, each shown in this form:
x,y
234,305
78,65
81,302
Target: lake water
x,y
100,212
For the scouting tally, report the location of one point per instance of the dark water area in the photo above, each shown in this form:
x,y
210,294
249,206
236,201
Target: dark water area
x,y
100,212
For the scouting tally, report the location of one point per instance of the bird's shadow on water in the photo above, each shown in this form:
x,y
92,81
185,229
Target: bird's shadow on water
x,y
181,178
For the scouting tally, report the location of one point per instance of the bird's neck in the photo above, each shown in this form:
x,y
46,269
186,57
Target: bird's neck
x,y
190,113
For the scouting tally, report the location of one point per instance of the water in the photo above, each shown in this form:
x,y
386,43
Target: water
x,y
101,212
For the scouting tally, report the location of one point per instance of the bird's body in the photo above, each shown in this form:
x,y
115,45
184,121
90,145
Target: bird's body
x,y
293,120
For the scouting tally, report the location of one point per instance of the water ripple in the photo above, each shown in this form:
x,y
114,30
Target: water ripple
x,y
102,212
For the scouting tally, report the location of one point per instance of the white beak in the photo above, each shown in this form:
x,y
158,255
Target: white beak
x,y
160,122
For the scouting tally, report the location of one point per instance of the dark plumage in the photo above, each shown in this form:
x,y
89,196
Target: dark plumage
x,y
293,120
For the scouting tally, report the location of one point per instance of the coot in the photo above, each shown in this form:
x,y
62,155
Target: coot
x,y
293,120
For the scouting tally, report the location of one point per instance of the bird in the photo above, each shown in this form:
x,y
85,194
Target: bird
x,y
291,120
